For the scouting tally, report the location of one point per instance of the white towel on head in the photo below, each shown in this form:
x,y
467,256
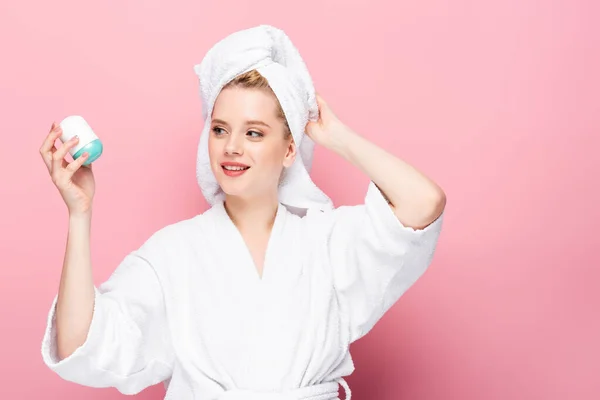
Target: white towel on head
x,y
270,51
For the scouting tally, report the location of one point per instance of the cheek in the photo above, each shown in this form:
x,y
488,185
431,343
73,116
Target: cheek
x,y
213,154
270,156
212,147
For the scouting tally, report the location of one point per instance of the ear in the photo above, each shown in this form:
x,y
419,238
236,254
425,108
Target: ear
x,y
290,155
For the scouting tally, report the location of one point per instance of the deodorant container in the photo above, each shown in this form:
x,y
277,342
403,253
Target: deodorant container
x,y
88,141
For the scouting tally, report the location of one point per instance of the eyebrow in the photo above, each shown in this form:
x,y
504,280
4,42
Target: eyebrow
x,y
248,122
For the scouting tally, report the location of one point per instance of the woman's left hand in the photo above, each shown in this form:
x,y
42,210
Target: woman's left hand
x,y
328,130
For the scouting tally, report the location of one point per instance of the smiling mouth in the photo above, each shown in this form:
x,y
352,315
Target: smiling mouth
x,y
234,171
233,168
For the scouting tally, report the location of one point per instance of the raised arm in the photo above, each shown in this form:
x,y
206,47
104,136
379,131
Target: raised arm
x,y
378,249
115,335
415,199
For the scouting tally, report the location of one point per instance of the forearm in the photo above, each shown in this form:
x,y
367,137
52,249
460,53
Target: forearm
x,y
75,303
416,200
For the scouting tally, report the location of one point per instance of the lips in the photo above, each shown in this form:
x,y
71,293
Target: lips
x,y
232,166
234,169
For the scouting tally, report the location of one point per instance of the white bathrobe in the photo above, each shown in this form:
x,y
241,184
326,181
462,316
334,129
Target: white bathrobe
x,y
189,309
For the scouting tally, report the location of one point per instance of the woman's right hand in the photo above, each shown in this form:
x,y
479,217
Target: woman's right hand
x,y
75,184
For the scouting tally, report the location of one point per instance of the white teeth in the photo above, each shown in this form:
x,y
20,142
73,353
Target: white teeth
x,y
231,168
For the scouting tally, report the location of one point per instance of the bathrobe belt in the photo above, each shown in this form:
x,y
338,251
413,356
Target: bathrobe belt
x,y
323,391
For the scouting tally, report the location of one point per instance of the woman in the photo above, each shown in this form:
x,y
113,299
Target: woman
x,y
247,300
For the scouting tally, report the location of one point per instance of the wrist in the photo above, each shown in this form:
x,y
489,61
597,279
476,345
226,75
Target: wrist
x,y
80,216
343,141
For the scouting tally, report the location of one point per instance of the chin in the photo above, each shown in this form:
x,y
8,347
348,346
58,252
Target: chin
x,y
233,190
232,187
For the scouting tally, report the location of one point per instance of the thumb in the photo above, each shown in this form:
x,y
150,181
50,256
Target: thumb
x,y
320,101
325,111
310,126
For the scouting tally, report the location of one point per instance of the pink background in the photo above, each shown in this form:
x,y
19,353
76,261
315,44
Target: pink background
x,y
497,100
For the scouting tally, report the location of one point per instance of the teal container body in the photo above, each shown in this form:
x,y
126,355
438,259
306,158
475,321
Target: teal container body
x,y
94,148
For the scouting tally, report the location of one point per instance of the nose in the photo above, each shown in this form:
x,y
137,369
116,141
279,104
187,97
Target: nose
x,y
233,146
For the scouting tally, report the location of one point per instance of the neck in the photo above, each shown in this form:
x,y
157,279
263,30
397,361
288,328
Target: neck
x,y
252,214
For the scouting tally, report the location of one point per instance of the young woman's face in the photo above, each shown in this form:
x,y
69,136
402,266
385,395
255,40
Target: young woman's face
x,y
247,145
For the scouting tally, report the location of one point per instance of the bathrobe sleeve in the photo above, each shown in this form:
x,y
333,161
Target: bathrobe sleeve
x,y
128,345
375,259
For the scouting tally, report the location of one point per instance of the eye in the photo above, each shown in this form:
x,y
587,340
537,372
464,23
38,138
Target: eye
x,y
254,134
218,131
